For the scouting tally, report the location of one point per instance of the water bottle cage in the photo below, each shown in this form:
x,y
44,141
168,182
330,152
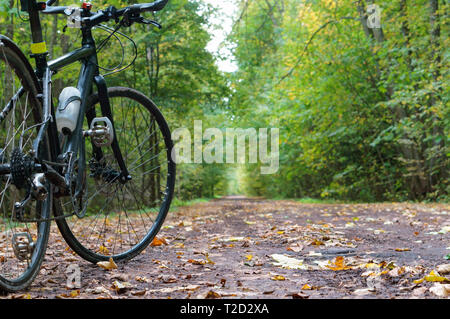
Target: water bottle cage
x,y
63,106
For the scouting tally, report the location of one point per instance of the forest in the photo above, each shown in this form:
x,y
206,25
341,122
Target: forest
x,y
363,110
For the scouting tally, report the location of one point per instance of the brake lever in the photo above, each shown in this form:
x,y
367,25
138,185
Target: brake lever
x,y
145,21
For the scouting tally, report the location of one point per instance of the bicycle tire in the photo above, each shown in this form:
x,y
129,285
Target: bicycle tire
x,y
14,64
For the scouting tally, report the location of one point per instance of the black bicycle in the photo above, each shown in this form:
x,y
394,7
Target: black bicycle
x,y
98,162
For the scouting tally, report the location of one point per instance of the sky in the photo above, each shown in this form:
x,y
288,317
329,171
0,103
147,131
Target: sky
x,y
224,21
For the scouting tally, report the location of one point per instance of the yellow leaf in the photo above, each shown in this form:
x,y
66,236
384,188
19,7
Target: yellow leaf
x,y
306,287
371,265
249,257
208,260
435,277
402,249
104,250
278,277
108,265
196,262
338,264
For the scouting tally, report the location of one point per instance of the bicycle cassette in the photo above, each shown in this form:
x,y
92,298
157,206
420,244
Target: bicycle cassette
x,y
21,168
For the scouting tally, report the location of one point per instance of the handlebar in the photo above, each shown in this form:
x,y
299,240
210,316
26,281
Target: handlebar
x,y
110,13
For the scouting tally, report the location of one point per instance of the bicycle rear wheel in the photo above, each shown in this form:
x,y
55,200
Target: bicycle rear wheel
x,y
122,218
23,238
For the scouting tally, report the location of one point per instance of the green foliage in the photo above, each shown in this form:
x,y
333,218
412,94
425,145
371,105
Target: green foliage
x,y
360,117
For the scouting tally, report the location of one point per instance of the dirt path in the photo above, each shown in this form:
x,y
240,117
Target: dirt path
x,y
253,248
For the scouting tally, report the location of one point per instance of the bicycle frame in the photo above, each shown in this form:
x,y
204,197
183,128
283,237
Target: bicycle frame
x,y
89,75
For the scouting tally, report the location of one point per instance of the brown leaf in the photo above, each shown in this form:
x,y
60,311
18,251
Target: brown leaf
x,y
439,290
295,248
141,279
212,295
299,295
139,292
158,242
196,262
72,294
120,287
168,279
443,269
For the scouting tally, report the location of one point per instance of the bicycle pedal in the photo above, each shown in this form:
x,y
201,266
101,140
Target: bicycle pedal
x,y
101,132
23,246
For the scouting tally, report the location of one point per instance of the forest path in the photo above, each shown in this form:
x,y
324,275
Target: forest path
x,y
238,247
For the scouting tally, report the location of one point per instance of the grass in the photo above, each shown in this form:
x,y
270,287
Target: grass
x,y
177,203
308,200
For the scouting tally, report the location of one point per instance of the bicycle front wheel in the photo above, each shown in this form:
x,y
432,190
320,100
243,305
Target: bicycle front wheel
x,y
122,218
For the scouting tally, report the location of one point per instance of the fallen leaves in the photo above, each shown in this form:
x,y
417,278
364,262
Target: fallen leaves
x,y
193,256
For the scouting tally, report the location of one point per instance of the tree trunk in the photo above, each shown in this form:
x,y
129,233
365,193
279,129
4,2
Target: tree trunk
x,y
437,166
413,161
